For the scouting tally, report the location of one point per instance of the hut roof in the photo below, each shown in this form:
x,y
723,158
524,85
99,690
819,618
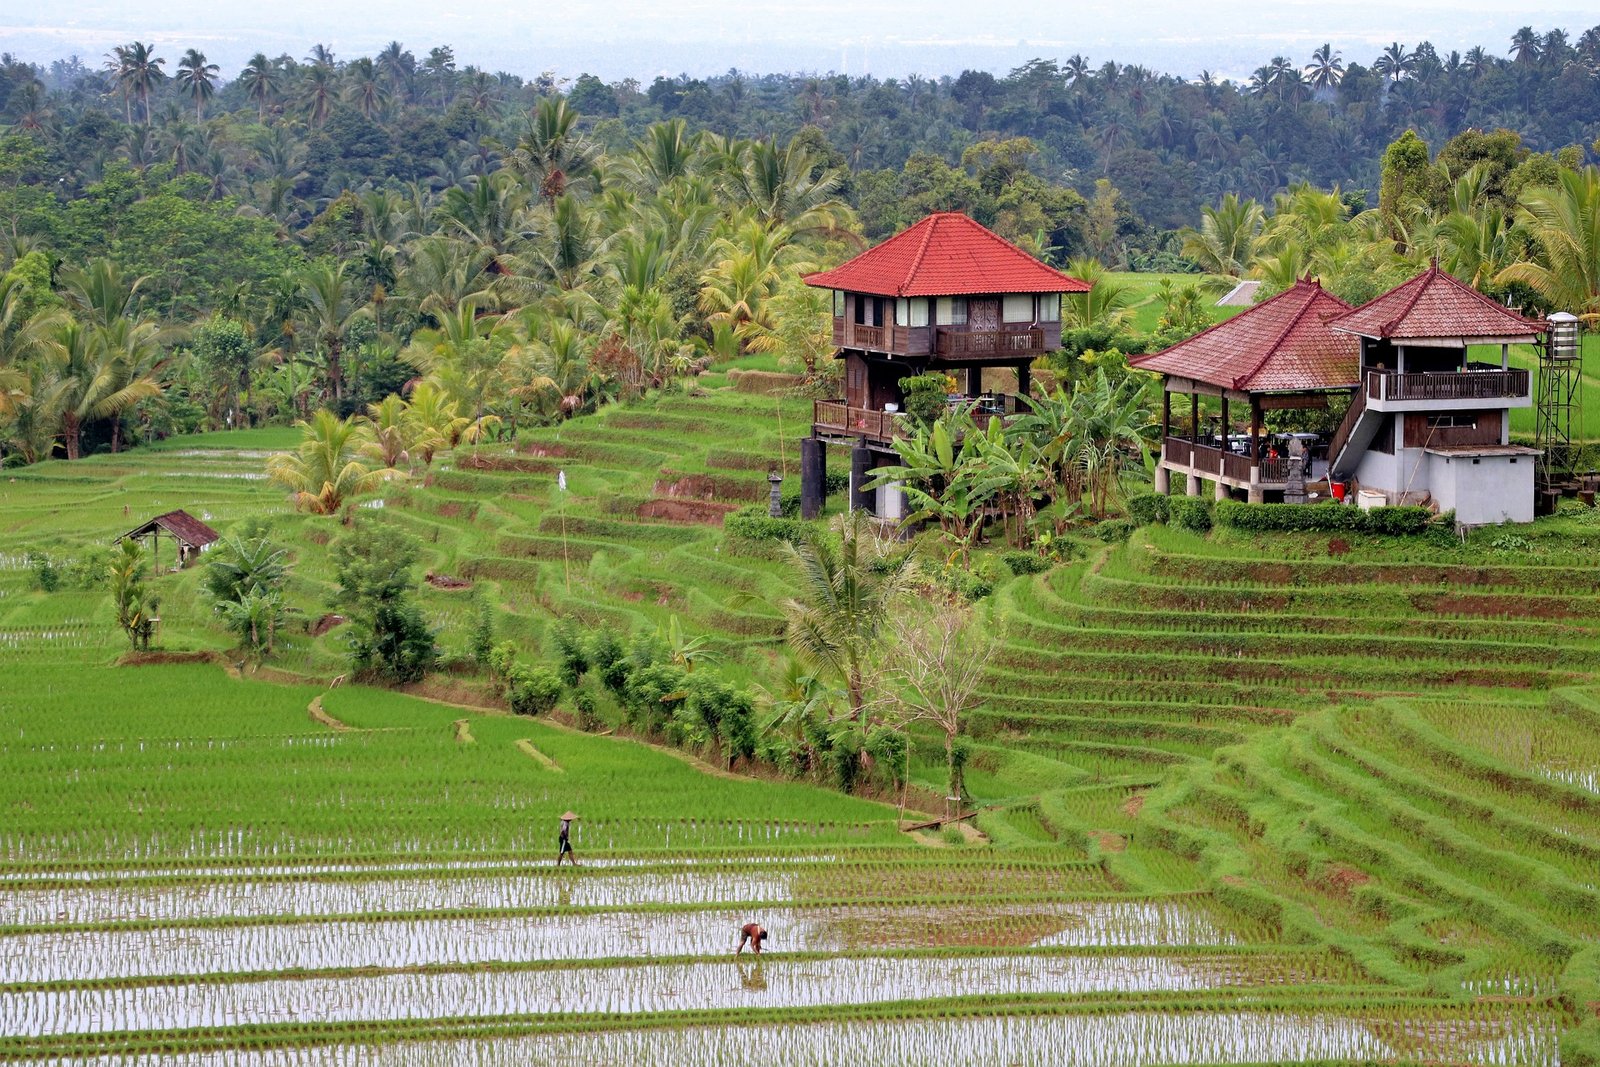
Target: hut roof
x,y
946,254
1279,345
180,524
1436,306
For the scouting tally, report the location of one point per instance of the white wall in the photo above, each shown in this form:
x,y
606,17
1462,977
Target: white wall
x,y
1484,489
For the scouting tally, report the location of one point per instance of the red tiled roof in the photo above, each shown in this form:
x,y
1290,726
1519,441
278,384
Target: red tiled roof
x,y
1280,345
1435,305
946,254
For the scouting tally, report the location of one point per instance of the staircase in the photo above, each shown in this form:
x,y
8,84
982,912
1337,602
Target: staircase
x,y
1353,436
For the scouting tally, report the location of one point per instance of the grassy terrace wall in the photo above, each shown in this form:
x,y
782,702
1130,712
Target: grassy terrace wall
x,y
1245,797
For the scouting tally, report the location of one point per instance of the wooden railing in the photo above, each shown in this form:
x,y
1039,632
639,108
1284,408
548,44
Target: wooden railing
x,y
1275,470
958,343
1229,465
1452,385
838,416
866,336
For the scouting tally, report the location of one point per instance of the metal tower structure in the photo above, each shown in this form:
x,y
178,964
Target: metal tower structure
x,y
1559,393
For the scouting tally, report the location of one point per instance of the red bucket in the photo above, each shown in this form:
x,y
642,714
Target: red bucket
x,y
1338,489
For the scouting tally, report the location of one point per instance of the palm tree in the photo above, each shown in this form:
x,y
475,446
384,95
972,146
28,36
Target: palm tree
x,y
1564,222
433,421
1108,301
197,78
1325,69
1228,236
326,469
391,438
137,70
1525,45
260,81
331,308
97,383
851,582
365,90
737,290
1395,62
318,94
553,154
398,65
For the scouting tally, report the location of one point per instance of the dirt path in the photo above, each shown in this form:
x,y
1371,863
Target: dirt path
x,y
530,749
318,715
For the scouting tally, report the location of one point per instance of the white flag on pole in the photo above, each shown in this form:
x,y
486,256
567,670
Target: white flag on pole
x,y
561,480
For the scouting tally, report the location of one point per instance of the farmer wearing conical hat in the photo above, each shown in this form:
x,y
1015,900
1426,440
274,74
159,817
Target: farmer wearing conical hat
x,y
564,849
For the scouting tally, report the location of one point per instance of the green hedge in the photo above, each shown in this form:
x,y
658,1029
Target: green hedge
x,y
1189,513
754,524
1321,518
1145,508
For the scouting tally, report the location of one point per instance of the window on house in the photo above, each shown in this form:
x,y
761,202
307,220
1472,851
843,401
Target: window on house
x,y
1050,307
1017,307
902,312
951,311
919,313
838,303
1452,420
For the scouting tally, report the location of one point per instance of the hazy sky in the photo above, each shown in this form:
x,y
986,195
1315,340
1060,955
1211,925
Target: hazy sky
x,y
643,38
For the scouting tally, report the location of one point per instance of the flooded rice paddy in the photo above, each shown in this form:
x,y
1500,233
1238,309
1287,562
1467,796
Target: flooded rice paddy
x,y
106,954
1117,1039
706,985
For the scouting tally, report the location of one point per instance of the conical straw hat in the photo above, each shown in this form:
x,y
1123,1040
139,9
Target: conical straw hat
x,y
569,816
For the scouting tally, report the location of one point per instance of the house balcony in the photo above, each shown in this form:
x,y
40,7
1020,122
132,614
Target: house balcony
x,y
1239,471
837,419
952,344
1479,386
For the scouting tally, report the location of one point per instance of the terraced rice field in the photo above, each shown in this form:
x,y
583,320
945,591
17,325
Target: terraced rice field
x,y
1244,800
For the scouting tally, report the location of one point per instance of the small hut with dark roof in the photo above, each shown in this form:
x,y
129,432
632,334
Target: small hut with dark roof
x,y
190,534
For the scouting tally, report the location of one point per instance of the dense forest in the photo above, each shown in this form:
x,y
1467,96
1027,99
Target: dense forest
x,y
180,249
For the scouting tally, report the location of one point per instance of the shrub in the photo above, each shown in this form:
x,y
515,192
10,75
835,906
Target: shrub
x,y
887,747
754,524
585,710
533,690
1322,518
45,573
969,585
607,658
501,659
925,396
844,758
1145,508
1023,563
1114,530
572,658
480,642
649,693
1190,513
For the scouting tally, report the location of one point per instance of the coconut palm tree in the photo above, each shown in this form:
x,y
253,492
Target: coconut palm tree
x,y
1395,62
198,79
318,93
364,87
330,308
553,154
260,81
1564,223
1325,71
850,584
327,469
1228,236
391,437
433,421
97,381
1107,301
1525,45
137,70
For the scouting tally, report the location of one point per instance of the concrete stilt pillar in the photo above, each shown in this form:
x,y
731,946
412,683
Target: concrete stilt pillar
x,y
813,476
1257,495
1163,480
1222,490
1192,485
860,473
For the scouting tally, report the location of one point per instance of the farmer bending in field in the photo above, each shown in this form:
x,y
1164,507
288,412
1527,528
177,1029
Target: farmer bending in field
x,y
754,933
564,848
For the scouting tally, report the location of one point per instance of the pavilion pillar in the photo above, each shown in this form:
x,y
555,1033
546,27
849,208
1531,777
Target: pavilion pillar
x,y
1022,380
1224,421
860,474
1192,484
813,476
1194,420
1166,414
975,380
1257,495
1163,478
